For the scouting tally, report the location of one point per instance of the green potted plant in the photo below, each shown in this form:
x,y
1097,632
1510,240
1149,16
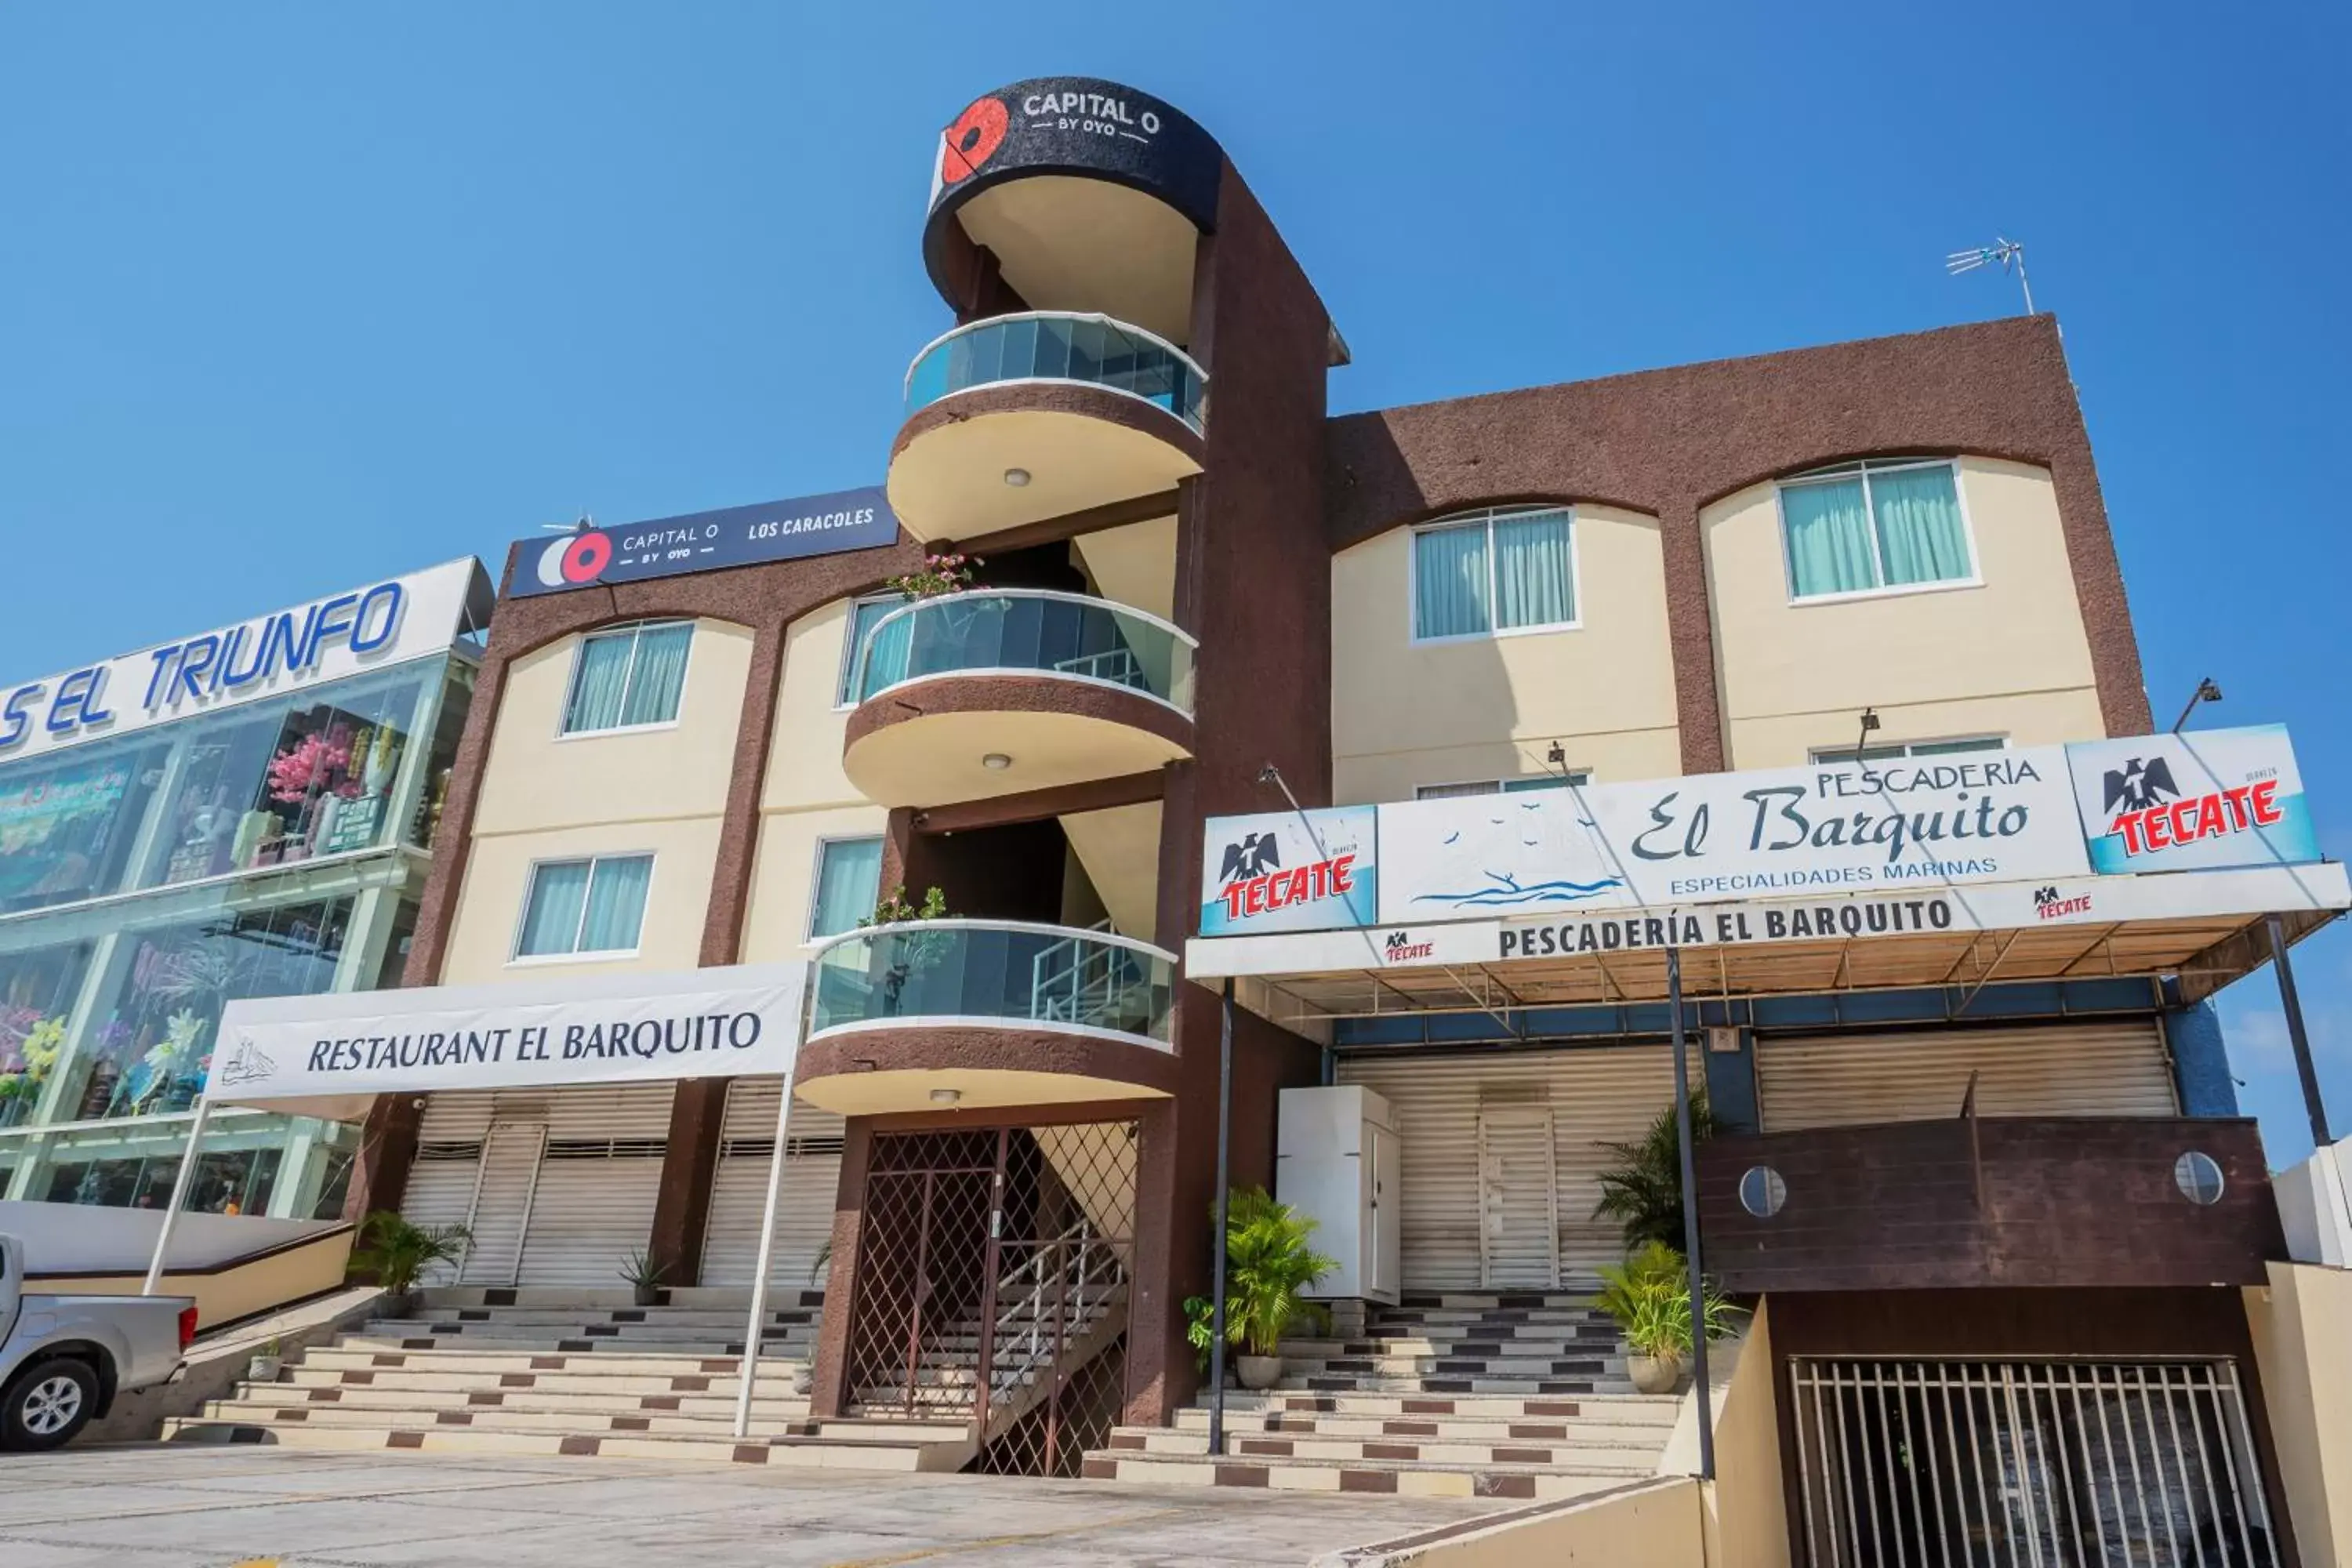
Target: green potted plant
x,y
1648,1298
263,1367
1643,1193
644,1273
398,1253
1268,1264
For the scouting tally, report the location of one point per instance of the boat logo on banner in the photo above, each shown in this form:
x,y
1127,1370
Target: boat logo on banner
x,y
2202,801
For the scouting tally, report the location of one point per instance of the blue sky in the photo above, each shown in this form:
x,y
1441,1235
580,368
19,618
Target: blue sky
x,y
293,296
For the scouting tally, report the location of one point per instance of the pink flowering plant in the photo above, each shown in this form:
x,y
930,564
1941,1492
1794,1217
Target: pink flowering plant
x,y
940,574
318,762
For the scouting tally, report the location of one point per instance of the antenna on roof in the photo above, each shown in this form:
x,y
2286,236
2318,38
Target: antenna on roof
x,y
2008,253
586,521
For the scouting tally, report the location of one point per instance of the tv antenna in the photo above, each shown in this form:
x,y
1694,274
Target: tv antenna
x,y
2006,254
586,522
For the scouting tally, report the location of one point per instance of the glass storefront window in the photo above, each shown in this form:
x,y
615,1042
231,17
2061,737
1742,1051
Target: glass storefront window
x,y
251,1163
37,997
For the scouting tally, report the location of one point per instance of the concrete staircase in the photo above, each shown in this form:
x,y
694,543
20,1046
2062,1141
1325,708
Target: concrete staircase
x,y
570,1372
1516,1396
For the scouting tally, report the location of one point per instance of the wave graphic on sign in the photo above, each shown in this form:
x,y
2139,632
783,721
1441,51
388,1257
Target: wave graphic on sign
x,y
1503,890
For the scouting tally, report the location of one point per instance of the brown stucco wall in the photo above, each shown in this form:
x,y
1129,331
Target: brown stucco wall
x,y
1667,442
1018,694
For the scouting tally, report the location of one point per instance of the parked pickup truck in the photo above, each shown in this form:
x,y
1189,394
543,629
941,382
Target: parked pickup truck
x,y
64,1358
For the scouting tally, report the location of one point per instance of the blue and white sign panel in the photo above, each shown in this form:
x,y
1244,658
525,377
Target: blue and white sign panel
x,y
1289,870
2200,801
342,634
702,541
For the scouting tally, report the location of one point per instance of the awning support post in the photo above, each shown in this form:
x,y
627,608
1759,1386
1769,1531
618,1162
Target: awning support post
x,y
2304,1066
180,1184
767,1258
1217,1280
1690,1220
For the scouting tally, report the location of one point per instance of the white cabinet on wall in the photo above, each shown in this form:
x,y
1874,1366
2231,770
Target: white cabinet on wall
x,y
1336,1161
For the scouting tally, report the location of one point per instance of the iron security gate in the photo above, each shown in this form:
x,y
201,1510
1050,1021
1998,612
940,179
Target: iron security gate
x,y
992,1286
2043,1464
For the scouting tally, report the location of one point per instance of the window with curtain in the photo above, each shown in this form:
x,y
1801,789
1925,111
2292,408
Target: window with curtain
x,y
1502,786
862,616
1893,750
848,885
1864,527
1498,570
584,906
629,677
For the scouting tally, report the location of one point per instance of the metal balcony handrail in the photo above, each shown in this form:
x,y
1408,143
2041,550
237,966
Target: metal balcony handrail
x,y
1034,927
938,603
906,383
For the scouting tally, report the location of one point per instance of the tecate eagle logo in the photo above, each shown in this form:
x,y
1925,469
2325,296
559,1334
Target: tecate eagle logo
x,y
575,559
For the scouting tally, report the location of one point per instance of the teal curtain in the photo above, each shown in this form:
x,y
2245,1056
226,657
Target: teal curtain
x,y
847,884
886,662
616,904
1449,597
551,920
660,674
598,683
1919,534
1531,571
1829,537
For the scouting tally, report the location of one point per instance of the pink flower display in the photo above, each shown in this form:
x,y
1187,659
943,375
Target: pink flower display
x,y
317,762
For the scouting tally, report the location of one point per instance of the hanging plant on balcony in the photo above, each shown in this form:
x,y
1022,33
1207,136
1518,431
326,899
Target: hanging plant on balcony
x,y
940,575
909,953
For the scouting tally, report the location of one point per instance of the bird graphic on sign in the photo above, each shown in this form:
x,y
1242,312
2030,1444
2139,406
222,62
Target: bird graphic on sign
x,y
2139,784
1251,857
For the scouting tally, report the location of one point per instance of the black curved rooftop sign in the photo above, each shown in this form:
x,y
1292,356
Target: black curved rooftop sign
x,y
1083,126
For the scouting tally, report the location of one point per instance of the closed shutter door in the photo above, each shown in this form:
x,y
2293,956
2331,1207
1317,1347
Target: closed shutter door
x,y
597,1183
1518,1201
502,1200
1595,1096
447,1169
2072,1070
739,1192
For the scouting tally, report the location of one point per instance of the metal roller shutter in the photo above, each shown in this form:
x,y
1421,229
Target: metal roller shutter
x,y
739,1192
448,1170
2116,1068
1595,1095
597,1180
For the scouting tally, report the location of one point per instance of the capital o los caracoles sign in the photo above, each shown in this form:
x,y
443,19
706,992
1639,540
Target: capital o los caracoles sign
x,y
1083,126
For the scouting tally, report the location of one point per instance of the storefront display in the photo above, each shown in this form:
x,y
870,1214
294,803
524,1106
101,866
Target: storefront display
x,y
37,997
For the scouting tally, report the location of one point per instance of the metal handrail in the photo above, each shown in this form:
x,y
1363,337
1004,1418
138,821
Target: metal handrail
x,y
1037,927
907,383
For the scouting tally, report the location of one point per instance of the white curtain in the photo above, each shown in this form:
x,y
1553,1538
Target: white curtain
x,y
847,884
1531,571
550,921
616,904
1450,581
660,674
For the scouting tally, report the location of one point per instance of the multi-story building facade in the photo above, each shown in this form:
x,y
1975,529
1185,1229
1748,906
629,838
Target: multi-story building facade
x,y
251,812
1196,594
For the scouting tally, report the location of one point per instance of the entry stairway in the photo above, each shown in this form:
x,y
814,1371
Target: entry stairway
x,y
1519,1396
571,1372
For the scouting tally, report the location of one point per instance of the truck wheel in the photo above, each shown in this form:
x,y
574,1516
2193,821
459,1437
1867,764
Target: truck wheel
x,y
49,1403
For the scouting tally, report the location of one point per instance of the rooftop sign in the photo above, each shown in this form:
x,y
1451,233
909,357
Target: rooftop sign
x,y
345,633
702,541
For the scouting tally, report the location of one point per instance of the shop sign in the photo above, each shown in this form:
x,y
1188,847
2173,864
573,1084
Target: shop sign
x,y
1081,125
612,1028
1289,872
326,639
2194,802
701,542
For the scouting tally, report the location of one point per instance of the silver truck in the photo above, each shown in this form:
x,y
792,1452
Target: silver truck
x,y
64,1358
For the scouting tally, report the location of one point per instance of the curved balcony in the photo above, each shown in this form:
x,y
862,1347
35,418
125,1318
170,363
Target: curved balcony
x,y
997,691
1020,418
940,1014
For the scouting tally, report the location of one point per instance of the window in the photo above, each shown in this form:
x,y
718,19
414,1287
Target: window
x,y
1509,570
628,678
1897,751
1863,528
1502,786
584,906
848,885
862,616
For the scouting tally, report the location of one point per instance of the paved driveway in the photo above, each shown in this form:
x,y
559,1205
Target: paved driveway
x,y
203,1506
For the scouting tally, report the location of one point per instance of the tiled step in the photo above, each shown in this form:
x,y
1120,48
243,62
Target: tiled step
x,y
619,1359
831,1453
443,1380
1574,1292
581,1304
765,1406
718,1423
552,1318
1600,1361
1399,1477
1434,1384
1629,1456
582,1344
1596,1423
1659,1407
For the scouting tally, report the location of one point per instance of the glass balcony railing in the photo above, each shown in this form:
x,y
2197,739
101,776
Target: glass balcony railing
x,y
1058,345
936,971
1027,630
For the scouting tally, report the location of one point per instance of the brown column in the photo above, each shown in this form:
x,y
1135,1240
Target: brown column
x,y
826,1380
1690,633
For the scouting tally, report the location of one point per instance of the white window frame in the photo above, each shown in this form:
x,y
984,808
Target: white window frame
x,y
1986,743
843,698
1488,515
817,875
517,958
1471,788
1863,470
579,657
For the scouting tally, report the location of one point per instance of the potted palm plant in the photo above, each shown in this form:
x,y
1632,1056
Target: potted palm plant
x,y
398,1253
1648,1297
1268,1264
644,1273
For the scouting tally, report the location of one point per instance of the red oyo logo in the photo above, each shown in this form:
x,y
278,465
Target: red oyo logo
x,y
972,140
575,559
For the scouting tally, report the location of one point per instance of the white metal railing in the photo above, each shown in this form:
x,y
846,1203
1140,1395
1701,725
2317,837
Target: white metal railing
x,y
2027,1464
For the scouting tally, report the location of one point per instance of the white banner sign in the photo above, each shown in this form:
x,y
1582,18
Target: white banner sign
x,y
608,1029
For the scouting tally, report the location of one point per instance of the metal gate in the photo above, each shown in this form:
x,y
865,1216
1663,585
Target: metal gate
x,y
991,1287
2044,1464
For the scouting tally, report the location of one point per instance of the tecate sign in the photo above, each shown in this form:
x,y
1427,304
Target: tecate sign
x,y
1313,870
2195,802
326,639
702,541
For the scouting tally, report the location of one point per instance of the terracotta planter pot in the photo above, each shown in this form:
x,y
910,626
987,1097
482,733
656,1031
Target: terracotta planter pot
x,y
1654,1373
1259,1373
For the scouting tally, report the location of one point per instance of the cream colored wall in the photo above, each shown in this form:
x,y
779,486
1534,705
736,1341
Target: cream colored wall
x,y
2009,657
1649,1524
804,797
545,797
1404,715
2302,1328
1747,1512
